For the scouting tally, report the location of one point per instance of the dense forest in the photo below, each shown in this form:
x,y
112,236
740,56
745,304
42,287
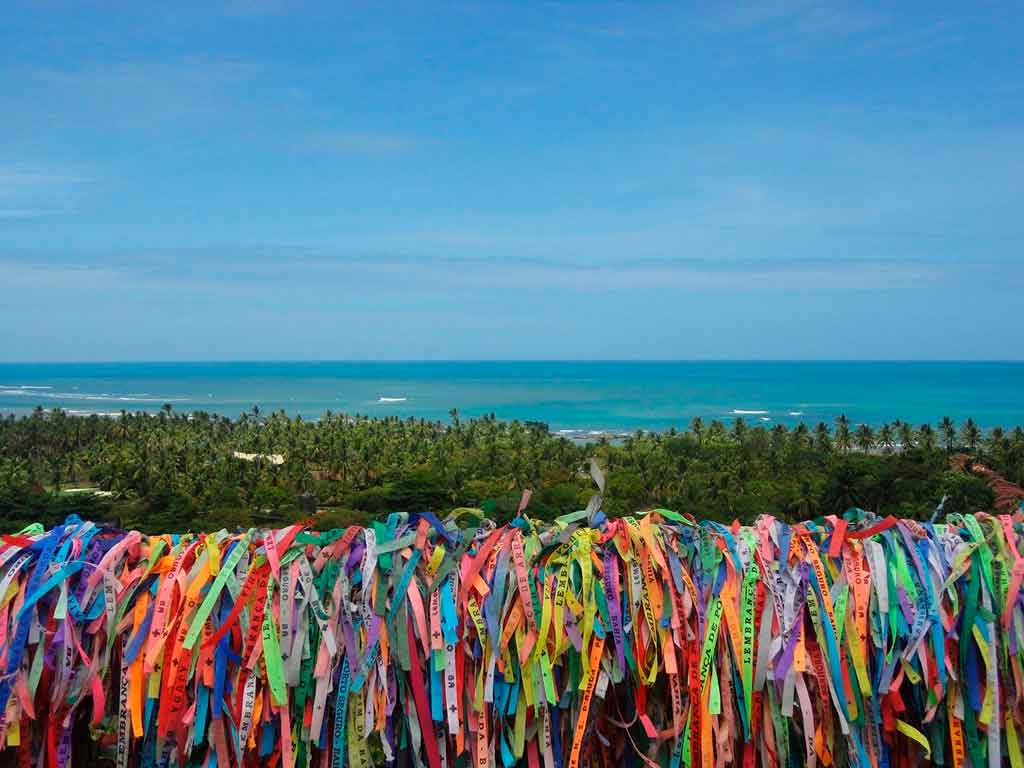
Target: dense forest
x,y
174,472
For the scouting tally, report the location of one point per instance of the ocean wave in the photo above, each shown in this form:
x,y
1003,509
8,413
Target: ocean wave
x,y
101,397
391,399
25,386
796,413
742,412
123,398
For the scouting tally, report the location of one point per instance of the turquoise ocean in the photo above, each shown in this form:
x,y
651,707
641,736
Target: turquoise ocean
x,y
575,397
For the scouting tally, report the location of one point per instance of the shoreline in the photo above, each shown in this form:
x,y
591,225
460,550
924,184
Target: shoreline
x,y
577,436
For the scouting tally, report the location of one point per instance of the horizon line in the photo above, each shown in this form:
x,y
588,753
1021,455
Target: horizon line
x,y
426,360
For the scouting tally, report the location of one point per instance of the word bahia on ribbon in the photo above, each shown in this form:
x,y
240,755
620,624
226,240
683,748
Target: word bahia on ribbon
x,y
644,641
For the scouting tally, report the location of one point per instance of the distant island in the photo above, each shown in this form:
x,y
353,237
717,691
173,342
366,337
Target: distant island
x,y
174,471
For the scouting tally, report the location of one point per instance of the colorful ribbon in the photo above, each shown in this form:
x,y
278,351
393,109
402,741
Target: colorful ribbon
x,y
651,640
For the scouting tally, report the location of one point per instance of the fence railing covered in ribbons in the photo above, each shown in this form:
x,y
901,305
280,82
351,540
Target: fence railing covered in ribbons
x,y
651,640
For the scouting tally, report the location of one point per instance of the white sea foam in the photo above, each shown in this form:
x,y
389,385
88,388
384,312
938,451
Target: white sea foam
x,y
100,397
391,399
796,413
24,386
765,418
741,412
106,397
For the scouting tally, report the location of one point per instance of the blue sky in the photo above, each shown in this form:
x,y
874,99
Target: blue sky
x,y
275,180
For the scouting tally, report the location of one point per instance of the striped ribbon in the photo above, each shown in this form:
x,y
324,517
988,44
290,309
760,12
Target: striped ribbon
x,y
651,640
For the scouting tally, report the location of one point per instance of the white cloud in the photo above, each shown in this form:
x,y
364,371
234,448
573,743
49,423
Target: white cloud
x,y
220,273
800,16
20,178
343,142
910,42
140,94
30,191
15,214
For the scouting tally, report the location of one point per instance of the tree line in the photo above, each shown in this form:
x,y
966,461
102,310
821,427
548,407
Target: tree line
x,y
174,471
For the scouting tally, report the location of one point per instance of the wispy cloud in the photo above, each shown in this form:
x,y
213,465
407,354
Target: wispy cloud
x,y
244,268
800,26
145,92
195,70
344,142
18,178
21,214
257,7
801,16
910,42
29,192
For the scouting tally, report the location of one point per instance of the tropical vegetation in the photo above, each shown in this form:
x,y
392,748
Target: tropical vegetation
x,y
172,471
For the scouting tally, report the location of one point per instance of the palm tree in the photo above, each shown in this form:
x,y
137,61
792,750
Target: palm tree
x,y
822,440
805,505
906,432
948,431
884,490
778,438
697,428
970,434
841,489
801,436
926,437
997,444
865,437
843,440
885,438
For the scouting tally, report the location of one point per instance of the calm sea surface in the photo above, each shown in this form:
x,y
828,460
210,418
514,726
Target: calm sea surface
x,y
576,396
